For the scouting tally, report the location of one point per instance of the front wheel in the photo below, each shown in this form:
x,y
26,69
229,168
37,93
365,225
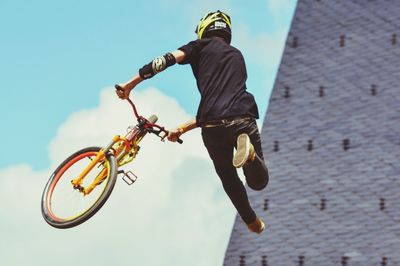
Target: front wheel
x,y
65,206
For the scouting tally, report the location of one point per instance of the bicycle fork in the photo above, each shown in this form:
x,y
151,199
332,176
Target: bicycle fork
x,y
77,182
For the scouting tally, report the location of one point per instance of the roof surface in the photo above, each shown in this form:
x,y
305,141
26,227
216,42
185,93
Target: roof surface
x,y
331,139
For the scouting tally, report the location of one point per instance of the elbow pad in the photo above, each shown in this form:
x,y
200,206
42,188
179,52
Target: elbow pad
x,y
156,66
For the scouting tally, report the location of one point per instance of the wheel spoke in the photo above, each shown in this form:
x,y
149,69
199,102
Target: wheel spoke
x,y
68,203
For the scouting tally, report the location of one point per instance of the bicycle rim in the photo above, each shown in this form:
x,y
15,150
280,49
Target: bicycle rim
x,y
62,205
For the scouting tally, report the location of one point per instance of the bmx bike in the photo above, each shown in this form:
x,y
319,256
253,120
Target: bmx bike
x,y
83,182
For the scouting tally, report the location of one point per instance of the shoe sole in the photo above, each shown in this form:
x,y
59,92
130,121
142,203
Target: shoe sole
x,y
260,229
242,151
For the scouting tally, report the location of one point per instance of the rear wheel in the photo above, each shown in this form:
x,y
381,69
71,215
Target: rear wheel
x,y
64,206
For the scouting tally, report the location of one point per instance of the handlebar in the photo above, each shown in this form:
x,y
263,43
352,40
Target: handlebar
x,y
145,123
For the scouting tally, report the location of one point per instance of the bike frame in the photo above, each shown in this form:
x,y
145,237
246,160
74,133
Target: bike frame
x,y
123,148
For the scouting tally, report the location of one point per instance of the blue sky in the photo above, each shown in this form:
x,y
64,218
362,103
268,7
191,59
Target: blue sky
x,y
56,56
58,63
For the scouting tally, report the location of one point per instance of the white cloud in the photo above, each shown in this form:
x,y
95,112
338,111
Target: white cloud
x,y
264,49
174,214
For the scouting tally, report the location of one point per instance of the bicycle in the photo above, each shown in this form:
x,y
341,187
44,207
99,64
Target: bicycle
x,y
78,188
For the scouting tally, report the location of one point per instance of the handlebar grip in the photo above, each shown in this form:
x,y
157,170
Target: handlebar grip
x,y
117,87
179,141
153,119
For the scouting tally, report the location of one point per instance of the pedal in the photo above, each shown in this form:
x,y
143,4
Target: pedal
x,y
128,177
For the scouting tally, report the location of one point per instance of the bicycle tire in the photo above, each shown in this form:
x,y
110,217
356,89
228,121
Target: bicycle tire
x,y
47,196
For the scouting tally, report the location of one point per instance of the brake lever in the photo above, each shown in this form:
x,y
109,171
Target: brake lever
x,y
158,132
163,137
155,132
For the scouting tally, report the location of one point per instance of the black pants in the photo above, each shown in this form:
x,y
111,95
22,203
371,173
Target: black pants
x,y
220,142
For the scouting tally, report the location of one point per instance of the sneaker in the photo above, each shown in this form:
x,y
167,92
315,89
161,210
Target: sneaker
x,y
257,226
244,152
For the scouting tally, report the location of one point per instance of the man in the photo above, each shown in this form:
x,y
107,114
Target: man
x,y
226,112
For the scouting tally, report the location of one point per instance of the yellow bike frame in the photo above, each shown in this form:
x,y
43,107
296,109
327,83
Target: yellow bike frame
x,y
124,151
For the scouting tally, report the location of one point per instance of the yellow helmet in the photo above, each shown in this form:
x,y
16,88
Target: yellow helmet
x,y
214,21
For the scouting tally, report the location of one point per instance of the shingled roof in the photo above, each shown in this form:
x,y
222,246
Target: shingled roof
x,y
331,139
